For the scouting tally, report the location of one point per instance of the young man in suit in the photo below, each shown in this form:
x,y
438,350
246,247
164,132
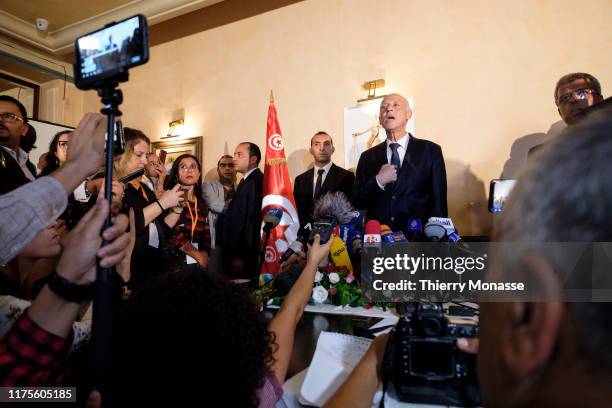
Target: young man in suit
x,y
323,178
242,221
14,171
403,177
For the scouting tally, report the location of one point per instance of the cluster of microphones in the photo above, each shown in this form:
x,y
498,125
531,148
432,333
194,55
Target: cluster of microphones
x,y
334,218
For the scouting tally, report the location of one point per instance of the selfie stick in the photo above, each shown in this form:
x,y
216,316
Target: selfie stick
x,y
104,299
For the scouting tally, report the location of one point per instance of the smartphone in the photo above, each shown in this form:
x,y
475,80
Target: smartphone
x,y
104,54
131,176
118,138
499,191
162,157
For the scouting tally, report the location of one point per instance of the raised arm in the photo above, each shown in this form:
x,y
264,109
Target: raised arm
x,y
286,319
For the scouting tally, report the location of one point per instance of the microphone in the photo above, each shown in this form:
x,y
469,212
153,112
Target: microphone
x,y
391,237
435,231
284,281
355,242
397,237
339,254
454,237
415,229
447,223
385,231
334,204
294,248
272,219
371,236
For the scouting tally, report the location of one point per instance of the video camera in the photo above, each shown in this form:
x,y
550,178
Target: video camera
x,y
423,362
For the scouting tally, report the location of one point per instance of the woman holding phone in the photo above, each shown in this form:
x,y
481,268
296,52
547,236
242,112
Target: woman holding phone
x,y
190,235
147,253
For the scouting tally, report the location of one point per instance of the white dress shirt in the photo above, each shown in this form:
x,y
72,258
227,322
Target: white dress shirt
x,y
21,157
401,151
323,176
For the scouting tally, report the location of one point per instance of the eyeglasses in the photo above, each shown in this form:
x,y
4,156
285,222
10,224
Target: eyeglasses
x,y
228,165
10,117
185,168
579,94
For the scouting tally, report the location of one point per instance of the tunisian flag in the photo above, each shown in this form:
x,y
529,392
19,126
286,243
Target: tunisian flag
x,y
277,193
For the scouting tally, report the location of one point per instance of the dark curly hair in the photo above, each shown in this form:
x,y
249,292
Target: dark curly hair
x,y
51,161
173,176
187,337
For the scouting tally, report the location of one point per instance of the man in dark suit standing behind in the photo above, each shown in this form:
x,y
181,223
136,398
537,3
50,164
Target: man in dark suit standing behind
x,y
324,177
242,221
404,176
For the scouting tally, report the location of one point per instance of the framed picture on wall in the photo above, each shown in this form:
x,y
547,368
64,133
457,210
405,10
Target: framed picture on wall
x,y
177,147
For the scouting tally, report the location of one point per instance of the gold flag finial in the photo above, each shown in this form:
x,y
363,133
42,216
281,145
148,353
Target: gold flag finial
x,y
271,97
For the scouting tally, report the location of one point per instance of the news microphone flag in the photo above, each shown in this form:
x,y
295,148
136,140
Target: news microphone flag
x,y
339,254
277,193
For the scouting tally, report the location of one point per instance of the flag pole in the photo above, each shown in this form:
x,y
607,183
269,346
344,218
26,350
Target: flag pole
x,y
271,97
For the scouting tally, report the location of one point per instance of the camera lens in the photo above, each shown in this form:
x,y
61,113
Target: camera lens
x,y
432,326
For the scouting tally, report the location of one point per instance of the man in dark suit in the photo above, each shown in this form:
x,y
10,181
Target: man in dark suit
x,y
404,176
14,171
242,221
323,178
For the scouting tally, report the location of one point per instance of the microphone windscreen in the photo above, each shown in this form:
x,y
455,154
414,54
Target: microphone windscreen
x,y
385,230
372,227
339,254
335,204
434,231
273,216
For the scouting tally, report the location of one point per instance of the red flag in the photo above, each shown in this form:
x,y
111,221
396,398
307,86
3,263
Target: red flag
x,y
277,193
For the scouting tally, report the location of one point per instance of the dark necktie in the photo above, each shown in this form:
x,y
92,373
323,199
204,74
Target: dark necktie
x,y
395,159
317,191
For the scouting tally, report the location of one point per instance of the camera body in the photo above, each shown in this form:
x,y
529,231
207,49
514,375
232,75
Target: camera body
x,y
423,361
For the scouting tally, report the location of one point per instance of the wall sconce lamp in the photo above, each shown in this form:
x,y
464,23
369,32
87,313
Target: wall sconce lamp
x,y
371,87
174,128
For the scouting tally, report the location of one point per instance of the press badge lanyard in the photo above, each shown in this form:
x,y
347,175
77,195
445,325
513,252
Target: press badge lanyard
x,y
197,216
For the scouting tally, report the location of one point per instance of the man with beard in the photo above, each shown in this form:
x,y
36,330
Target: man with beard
x,y
324,177
217,195
14,170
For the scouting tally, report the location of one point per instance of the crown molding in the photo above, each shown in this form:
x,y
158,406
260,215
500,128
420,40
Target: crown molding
x,y
61,41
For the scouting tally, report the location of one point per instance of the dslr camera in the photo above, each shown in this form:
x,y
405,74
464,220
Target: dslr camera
x,y
423,362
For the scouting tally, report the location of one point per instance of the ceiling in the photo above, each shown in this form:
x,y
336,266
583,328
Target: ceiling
x,y
41,56
69,19
59,13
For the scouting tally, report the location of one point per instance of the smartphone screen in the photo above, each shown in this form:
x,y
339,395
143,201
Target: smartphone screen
x,y
113,49
499,191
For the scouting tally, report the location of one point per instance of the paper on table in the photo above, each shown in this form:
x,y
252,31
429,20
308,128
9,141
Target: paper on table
x,y
384,326
335,357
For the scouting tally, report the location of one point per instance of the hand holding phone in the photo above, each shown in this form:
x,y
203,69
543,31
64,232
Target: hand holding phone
x,y
162,157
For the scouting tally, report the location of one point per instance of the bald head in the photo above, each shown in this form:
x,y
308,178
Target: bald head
x,y
394,115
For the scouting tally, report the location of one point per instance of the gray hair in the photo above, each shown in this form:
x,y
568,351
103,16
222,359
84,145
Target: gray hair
x,y
565,195
566,79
